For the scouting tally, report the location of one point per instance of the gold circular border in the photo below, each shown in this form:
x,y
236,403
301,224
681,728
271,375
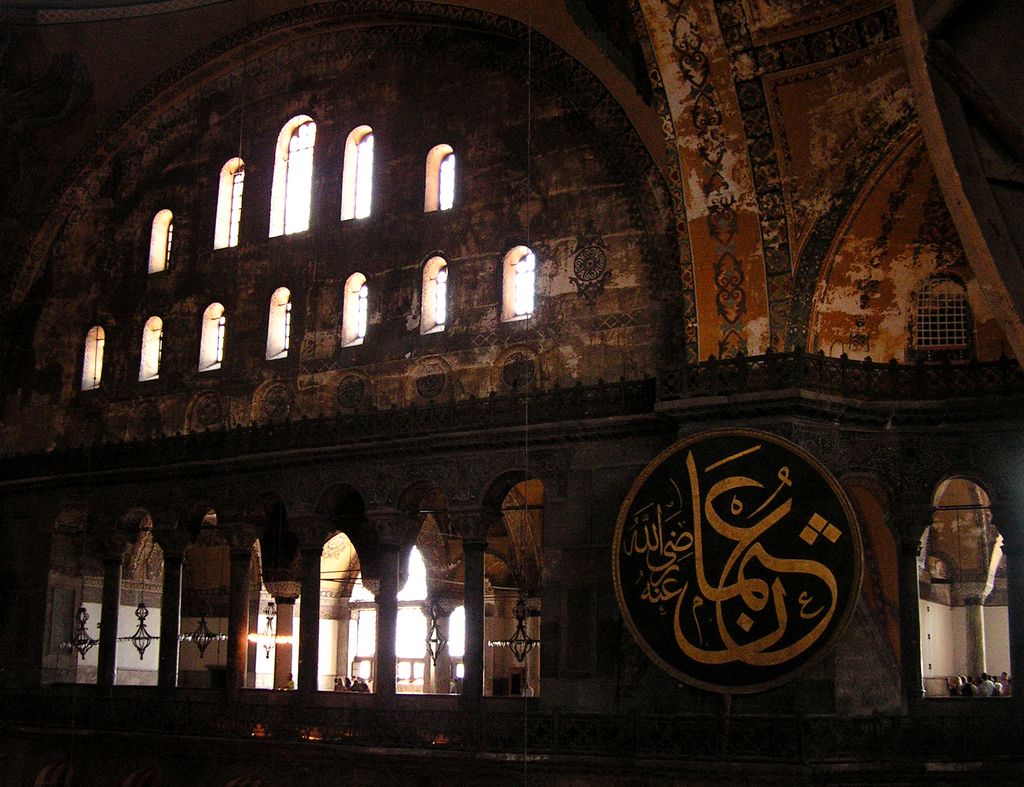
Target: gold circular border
x,y
858,567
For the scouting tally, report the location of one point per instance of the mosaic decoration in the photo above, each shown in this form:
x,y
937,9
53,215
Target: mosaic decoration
x,y
737,560
519,370
351,390
272,404
431,379
590,264
869,287
688,305
707,118
206,411
856,35
937,232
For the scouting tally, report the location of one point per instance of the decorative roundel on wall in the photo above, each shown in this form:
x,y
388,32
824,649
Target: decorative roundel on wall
x,y
737,560
351,390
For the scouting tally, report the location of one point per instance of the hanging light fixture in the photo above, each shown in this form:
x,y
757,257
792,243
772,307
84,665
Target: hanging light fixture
x,y
520,643
436,640
83,642
270,613
141,639
201,636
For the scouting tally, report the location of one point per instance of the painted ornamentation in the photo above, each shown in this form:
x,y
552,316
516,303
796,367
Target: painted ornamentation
x,y
590,264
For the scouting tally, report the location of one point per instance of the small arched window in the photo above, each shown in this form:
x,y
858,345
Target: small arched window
x,y
229,204
160,240
943,319
357,174
435,295
92,359
211,341
152,349
518,282
439,193
293,177
354,310
279,324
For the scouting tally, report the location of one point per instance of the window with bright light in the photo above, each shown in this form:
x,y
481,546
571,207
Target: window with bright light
x,y
519,278
279,324
357,174
152,349
435,295
439,190
211,343
290,196
229,204
160,240
92,360
355,310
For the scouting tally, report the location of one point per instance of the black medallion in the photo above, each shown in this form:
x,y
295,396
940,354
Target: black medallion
x,y
736,560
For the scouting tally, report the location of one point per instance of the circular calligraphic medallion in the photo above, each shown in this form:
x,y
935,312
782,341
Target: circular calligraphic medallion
x,y
737,560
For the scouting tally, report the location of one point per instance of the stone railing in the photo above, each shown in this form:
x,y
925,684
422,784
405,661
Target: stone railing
x,y
579,402
502,726
842,377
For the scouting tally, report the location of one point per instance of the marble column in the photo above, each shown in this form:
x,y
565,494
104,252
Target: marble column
x,y
106,669
170,620
387,621
973,595
309,620
238,616
1013,549
913,522
284,635
473,660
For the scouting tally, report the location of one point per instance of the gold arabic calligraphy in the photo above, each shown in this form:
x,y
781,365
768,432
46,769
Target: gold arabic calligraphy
x,y
745,605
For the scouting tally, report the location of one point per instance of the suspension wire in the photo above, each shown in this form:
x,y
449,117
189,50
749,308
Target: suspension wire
x,y
245,78
525,689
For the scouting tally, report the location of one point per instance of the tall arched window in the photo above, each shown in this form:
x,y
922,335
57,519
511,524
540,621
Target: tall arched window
x,y
160,239
518,281
357,174
439,193
152,349
354,310
279,324
435,295
92,359
943,319
229,204
293,177
211,342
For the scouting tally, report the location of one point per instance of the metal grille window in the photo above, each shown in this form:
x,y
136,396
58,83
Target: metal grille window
x,y
942,318
237,186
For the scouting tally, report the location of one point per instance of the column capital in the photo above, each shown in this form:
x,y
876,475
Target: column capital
x,y
391,524
173,539
240,537
312,530
474,523
911,520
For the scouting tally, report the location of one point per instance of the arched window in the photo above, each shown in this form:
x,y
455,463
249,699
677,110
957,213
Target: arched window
x,y
518,281
279,325
439,193
92,359
943,320
293,177
354,310
229,204
357,174
160,239
435,295
211,342
152,349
